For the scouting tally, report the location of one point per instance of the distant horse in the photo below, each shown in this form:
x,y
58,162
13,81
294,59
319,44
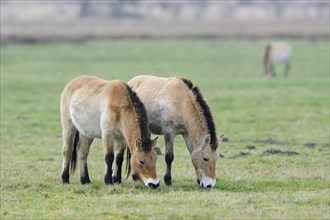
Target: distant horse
x,y
278,52
95,108
174,106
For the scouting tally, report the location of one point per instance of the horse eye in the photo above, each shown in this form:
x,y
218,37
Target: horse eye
x,y
205,159
141,162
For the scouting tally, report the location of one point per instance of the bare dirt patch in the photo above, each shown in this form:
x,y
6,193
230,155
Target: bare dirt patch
x,y
250,147
276,151
310,145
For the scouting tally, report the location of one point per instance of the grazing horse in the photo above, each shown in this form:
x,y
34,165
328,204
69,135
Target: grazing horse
x,y
174,106
278,52
95,108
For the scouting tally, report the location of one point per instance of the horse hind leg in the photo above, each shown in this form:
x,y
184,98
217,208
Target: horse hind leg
x,y
83,151
69,132
169,157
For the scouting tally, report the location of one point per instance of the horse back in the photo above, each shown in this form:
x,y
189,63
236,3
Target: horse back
x,y
165,99
153,89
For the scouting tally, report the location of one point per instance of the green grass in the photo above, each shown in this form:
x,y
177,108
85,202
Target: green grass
x,y
284,114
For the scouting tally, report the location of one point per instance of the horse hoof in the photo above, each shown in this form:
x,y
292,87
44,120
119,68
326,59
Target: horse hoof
x,y
168,180
85,181
108,180
135,177
116,180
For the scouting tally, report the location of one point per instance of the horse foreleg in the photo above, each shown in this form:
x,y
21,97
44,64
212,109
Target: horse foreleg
x,y
169,156
119,157
109,157
83,151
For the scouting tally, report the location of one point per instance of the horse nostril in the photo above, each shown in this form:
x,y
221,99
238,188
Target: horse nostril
x,y
154,186
198,181
206,186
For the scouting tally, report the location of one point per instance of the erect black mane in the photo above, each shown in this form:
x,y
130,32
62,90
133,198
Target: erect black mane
x,y
206,112
142,119
187,82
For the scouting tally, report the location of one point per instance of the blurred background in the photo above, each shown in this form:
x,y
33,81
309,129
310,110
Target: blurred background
x,y
50,20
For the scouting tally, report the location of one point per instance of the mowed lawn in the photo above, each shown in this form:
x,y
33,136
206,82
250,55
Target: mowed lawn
x,y
276,160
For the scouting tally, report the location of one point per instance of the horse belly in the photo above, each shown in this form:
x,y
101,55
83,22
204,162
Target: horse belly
x,y
156,128
86,122
281,57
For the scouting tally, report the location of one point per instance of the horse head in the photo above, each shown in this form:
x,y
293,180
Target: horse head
x,y
143,162
204,159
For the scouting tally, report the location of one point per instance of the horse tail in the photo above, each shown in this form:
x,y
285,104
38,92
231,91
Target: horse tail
x,y
267,54
73,161
128,163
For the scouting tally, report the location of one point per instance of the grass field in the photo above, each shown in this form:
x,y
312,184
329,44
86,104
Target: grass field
x,y
275,165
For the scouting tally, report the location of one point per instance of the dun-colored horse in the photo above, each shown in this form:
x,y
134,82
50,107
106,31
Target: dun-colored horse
x,y
174,106
278,52
95,108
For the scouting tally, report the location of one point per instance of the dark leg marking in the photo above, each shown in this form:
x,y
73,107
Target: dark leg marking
x,y
84,179
119,163
169,156
65,175
168,159
108,176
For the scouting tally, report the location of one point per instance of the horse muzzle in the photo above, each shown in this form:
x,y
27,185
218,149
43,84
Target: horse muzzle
x,y
206,182
151,183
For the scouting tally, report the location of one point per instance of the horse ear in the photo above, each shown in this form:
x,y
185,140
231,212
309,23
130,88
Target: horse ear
x,y
154,141
220,138
139,143
206,142
158,151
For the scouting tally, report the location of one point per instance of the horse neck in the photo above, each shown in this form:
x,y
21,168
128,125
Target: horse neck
x,y
130,128
194,123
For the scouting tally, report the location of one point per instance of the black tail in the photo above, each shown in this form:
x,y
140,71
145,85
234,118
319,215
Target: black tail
x,y
128,163
73,161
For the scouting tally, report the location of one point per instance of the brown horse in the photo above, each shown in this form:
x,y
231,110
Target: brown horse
x,y
174,106
278,52
95,108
